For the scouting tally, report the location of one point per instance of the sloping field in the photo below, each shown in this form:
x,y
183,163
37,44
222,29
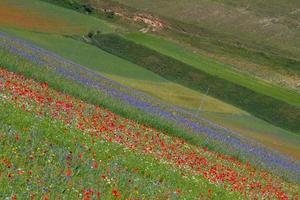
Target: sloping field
x,y
115,68
251,36
256,24
130,74
31,107
48,156
213,67
87,114
207,132
260,105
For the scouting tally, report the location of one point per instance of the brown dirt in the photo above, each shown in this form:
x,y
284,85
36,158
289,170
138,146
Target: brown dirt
x,y
154,23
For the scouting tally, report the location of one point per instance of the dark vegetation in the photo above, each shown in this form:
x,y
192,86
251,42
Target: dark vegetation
x,y
83,7
262,106
74,5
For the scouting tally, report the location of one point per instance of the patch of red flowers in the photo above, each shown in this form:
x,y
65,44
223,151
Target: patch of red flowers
x,y
68,172
116,193
100,123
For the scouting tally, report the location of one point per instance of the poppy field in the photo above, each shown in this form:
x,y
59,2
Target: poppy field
x,y
210,133
95,105
52,164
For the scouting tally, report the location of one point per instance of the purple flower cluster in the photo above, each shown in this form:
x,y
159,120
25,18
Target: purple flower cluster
x,y
247,148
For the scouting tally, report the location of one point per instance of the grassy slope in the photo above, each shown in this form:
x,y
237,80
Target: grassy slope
x,y
49,142
213,67
236,20
290,80
122,70
63,47
260,105
257,60
78,168
276,138
20,65
161,88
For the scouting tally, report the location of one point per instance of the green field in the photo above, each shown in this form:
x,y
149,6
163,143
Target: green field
x,y
286,116
48,174
66,133
263,59
213,67
159,87
137,77
59,160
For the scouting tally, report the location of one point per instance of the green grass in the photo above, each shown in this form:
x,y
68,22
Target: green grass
x,y
280,75
93,96
213,67
267,61
272,137
262,106
133,75
17,64
87,55
123,71
49,142
189,58
14,63
130,75
136,77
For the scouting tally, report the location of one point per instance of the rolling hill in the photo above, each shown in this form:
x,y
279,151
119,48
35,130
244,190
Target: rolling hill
x,y
108,99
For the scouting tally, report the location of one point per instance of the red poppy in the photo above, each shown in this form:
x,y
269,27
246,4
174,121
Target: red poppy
x,y
68,172
45,197
17,137
14,197
116,193
95,165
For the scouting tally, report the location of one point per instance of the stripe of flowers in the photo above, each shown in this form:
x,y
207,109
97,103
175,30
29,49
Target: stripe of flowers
x,y
246,147
183,157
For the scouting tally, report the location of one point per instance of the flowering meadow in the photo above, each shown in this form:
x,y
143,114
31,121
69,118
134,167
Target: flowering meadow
x,y
56,146
233,141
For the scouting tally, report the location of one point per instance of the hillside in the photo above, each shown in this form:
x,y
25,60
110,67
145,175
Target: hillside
x,y
260,23
252,36
103,99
